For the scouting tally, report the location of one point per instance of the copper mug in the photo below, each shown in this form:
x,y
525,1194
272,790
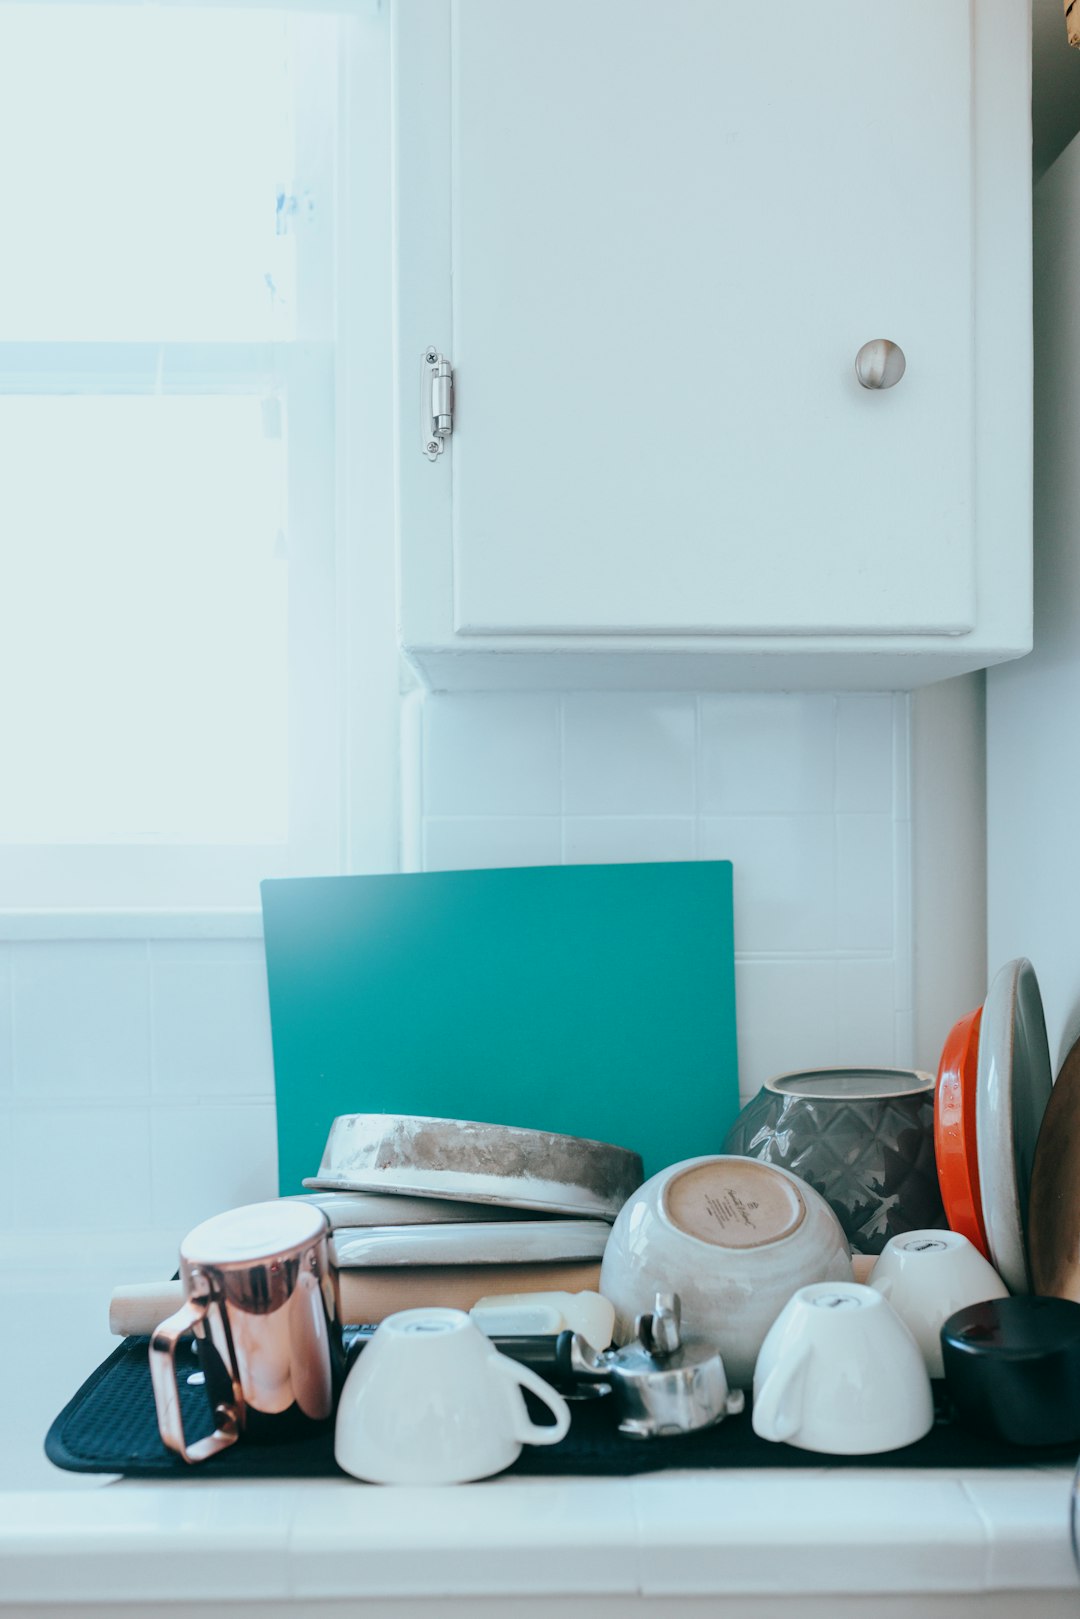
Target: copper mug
x,y
260,1297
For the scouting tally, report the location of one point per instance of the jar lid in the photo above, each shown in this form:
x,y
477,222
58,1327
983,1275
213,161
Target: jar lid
x,y
1020,1328
852,1084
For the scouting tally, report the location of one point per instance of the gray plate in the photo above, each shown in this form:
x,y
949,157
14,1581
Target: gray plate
x,y
1012,1089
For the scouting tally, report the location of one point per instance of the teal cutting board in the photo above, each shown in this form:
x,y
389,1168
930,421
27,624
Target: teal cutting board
x,y
591,1000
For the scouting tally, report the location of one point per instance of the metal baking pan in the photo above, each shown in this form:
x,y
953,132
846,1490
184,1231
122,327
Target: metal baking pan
x,y
463,1160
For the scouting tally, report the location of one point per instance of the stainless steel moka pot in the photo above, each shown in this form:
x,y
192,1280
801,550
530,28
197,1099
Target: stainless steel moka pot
x,y
260,1298
660,1384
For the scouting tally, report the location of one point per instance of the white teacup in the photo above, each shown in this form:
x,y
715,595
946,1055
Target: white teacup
x,y
432,1401
927,1276
840,1373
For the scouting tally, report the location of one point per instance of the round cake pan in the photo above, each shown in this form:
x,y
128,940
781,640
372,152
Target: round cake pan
x,y
462,1160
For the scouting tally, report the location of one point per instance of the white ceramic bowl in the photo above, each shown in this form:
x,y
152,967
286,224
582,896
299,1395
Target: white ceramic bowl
x,y
735,1239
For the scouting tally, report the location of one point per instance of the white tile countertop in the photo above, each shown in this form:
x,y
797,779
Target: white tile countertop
x,y
813,1541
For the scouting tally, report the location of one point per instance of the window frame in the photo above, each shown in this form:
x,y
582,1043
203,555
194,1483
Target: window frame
x,y
344,694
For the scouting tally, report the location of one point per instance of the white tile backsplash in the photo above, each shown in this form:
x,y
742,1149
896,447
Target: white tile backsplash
x,y
81,1019
784,878
85,1166
470,843
137,1076
864,754
210,1158
866,997
864,882
596,840
7,1168
785,1016
7,1064
210,1024
492,755
87,1137
628,753
769,754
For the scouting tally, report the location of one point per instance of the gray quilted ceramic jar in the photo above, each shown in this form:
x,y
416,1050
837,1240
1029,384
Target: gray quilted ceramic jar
x,y
862,1137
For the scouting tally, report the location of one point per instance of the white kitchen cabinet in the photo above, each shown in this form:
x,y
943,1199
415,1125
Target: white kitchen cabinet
x,y
650,241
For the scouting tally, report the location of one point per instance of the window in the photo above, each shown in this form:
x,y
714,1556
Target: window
x,y
170,507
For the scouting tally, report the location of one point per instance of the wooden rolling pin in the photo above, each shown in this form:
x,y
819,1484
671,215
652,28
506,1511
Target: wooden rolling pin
x,y
366,1296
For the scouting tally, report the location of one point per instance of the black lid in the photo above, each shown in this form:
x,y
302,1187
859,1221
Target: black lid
x,y
1016,1328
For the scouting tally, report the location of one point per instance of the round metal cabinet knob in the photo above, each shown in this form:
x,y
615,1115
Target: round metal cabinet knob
x,y
880,364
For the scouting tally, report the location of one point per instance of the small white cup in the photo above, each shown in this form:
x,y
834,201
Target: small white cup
x,y
927,1276
840,1373
432,1401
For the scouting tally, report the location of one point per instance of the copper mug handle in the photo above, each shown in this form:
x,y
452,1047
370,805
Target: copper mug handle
x,y
163,1341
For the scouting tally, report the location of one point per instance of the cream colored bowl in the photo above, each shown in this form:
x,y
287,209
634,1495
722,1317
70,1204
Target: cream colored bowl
x,y
735,1239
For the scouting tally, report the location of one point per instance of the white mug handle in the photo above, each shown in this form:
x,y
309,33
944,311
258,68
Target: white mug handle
x,y
777,1411
530,1433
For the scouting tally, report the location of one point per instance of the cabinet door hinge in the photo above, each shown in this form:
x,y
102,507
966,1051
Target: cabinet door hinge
x,y
436,403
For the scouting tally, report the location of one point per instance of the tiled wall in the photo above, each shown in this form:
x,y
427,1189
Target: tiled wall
x,y
136,1083
806,794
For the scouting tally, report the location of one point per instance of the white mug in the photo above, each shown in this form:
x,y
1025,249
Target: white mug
x,y
432,1401
927,1276
840,1373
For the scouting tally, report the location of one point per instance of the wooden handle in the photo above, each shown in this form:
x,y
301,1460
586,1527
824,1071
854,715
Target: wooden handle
x,y
369,1295
136,1310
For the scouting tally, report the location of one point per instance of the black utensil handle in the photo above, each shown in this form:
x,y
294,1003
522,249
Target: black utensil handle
x,y
551,1355
548,1354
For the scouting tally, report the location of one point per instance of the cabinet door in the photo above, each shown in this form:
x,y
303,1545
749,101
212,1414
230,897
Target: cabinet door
x,y
672,228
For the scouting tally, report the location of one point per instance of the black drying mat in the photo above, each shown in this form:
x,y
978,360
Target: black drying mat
x,y
111,1427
